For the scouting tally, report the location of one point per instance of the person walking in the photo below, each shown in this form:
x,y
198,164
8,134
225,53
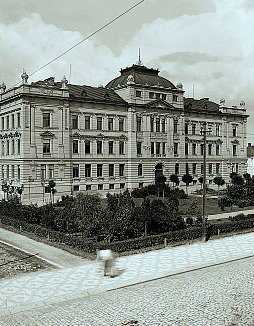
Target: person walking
x,y
108,258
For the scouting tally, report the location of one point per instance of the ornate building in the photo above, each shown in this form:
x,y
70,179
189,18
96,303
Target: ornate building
x,y
109,139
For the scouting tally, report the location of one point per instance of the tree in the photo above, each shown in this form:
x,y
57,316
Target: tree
x,y
201,181
174,178
52,190
87,208
187,179
160,183
20,190
219,181
247,178
237,180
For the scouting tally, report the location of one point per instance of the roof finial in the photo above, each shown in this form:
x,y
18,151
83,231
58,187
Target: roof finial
x,y
139,63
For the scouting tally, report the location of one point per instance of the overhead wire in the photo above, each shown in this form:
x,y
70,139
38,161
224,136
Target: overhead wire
x,y
86,38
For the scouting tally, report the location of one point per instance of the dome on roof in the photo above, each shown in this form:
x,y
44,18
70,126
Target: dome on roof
x,y
140,75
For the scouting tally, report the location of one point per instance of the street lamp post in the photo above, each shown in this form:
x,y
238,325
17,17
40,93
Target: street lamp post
x,y
30,179
43,189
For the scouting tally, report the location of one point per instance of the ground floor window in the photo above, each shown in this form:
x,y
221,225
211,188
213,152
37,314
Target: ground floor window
x,y
75,188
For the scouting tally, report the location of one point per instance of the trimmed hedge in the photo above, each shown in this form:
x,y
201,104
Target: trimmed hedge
x,y
90,246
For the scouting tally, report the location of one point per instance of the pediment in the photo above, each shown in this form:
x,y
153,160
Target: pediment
x,y
76,135
47,134
160,104
235,142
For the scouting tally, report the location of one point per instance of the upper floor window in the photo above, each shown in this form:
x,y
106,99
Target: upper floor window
x,y
187,168
46,146
194,129
7,122
177,169
18,172
175,98
87,147
121,147
121,124
87,122
75,147
99,123
234,131
163,125
12,121
186,128
99,147
2,148
111,147
138,94
164,97
121,170
157,124
51,171
13,147
210,168
151,95
151,124
75,171
234,150
152,148
163,148
18,118
75,122
140,170
18,146
158,96
139,151
175,126
110,123
46,119
158,148
111,170
209,149
217,168
2,123
217,130
88,170
175,149
7,147
186,148
139,120
194,149
99,170
217,149
194,168
43,171
201,149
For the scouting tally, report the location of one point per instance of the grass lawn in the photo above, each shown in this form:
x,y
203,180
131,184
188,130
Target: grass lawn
x,y
211,206
14,262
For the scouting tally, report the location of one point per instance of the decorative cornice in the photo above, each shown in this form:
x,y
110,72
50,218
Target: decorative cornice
x,y
47,134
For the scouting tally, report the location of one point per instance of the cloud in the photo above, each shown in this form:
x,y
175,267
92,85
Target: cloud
x,y
31,43
212,49
191,58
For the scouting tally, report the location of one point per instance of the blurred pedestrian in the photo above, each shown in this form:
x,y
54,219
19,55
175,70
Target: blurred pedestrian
x,y
108,258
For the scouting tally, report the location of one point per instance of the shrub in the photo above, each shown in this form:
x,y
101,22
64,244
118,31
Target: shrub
x,y
189,220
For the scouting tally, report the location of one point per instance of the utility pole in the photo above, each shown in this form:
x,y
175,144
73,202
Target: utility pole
x,y
204,188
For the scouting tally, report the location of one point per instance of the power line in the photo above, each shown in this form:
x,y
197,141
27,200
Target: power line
x,y
75,45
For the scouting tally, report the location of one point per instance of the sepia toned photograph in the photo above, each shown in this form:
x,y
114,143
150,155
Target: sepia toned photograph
x,y
126,163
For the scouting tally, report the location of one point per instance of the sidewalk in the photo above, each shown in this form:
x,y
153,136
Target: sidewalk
x,y
45,288
54,256
226,215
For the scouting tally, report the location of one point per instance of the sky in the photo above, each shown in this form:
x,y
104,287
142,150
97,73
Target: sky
x,y
208,43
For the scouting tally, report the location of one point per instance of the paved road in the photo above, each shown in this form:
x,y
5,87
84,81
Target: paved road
x,y
215,296
54,256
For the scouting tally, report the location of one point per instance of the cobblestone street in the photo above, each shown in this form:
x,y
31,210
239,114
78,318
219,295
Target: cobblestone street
x,y
213,296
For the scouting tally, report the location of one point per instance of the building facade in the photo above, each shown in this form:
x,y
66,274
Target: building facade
x,y
108,139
